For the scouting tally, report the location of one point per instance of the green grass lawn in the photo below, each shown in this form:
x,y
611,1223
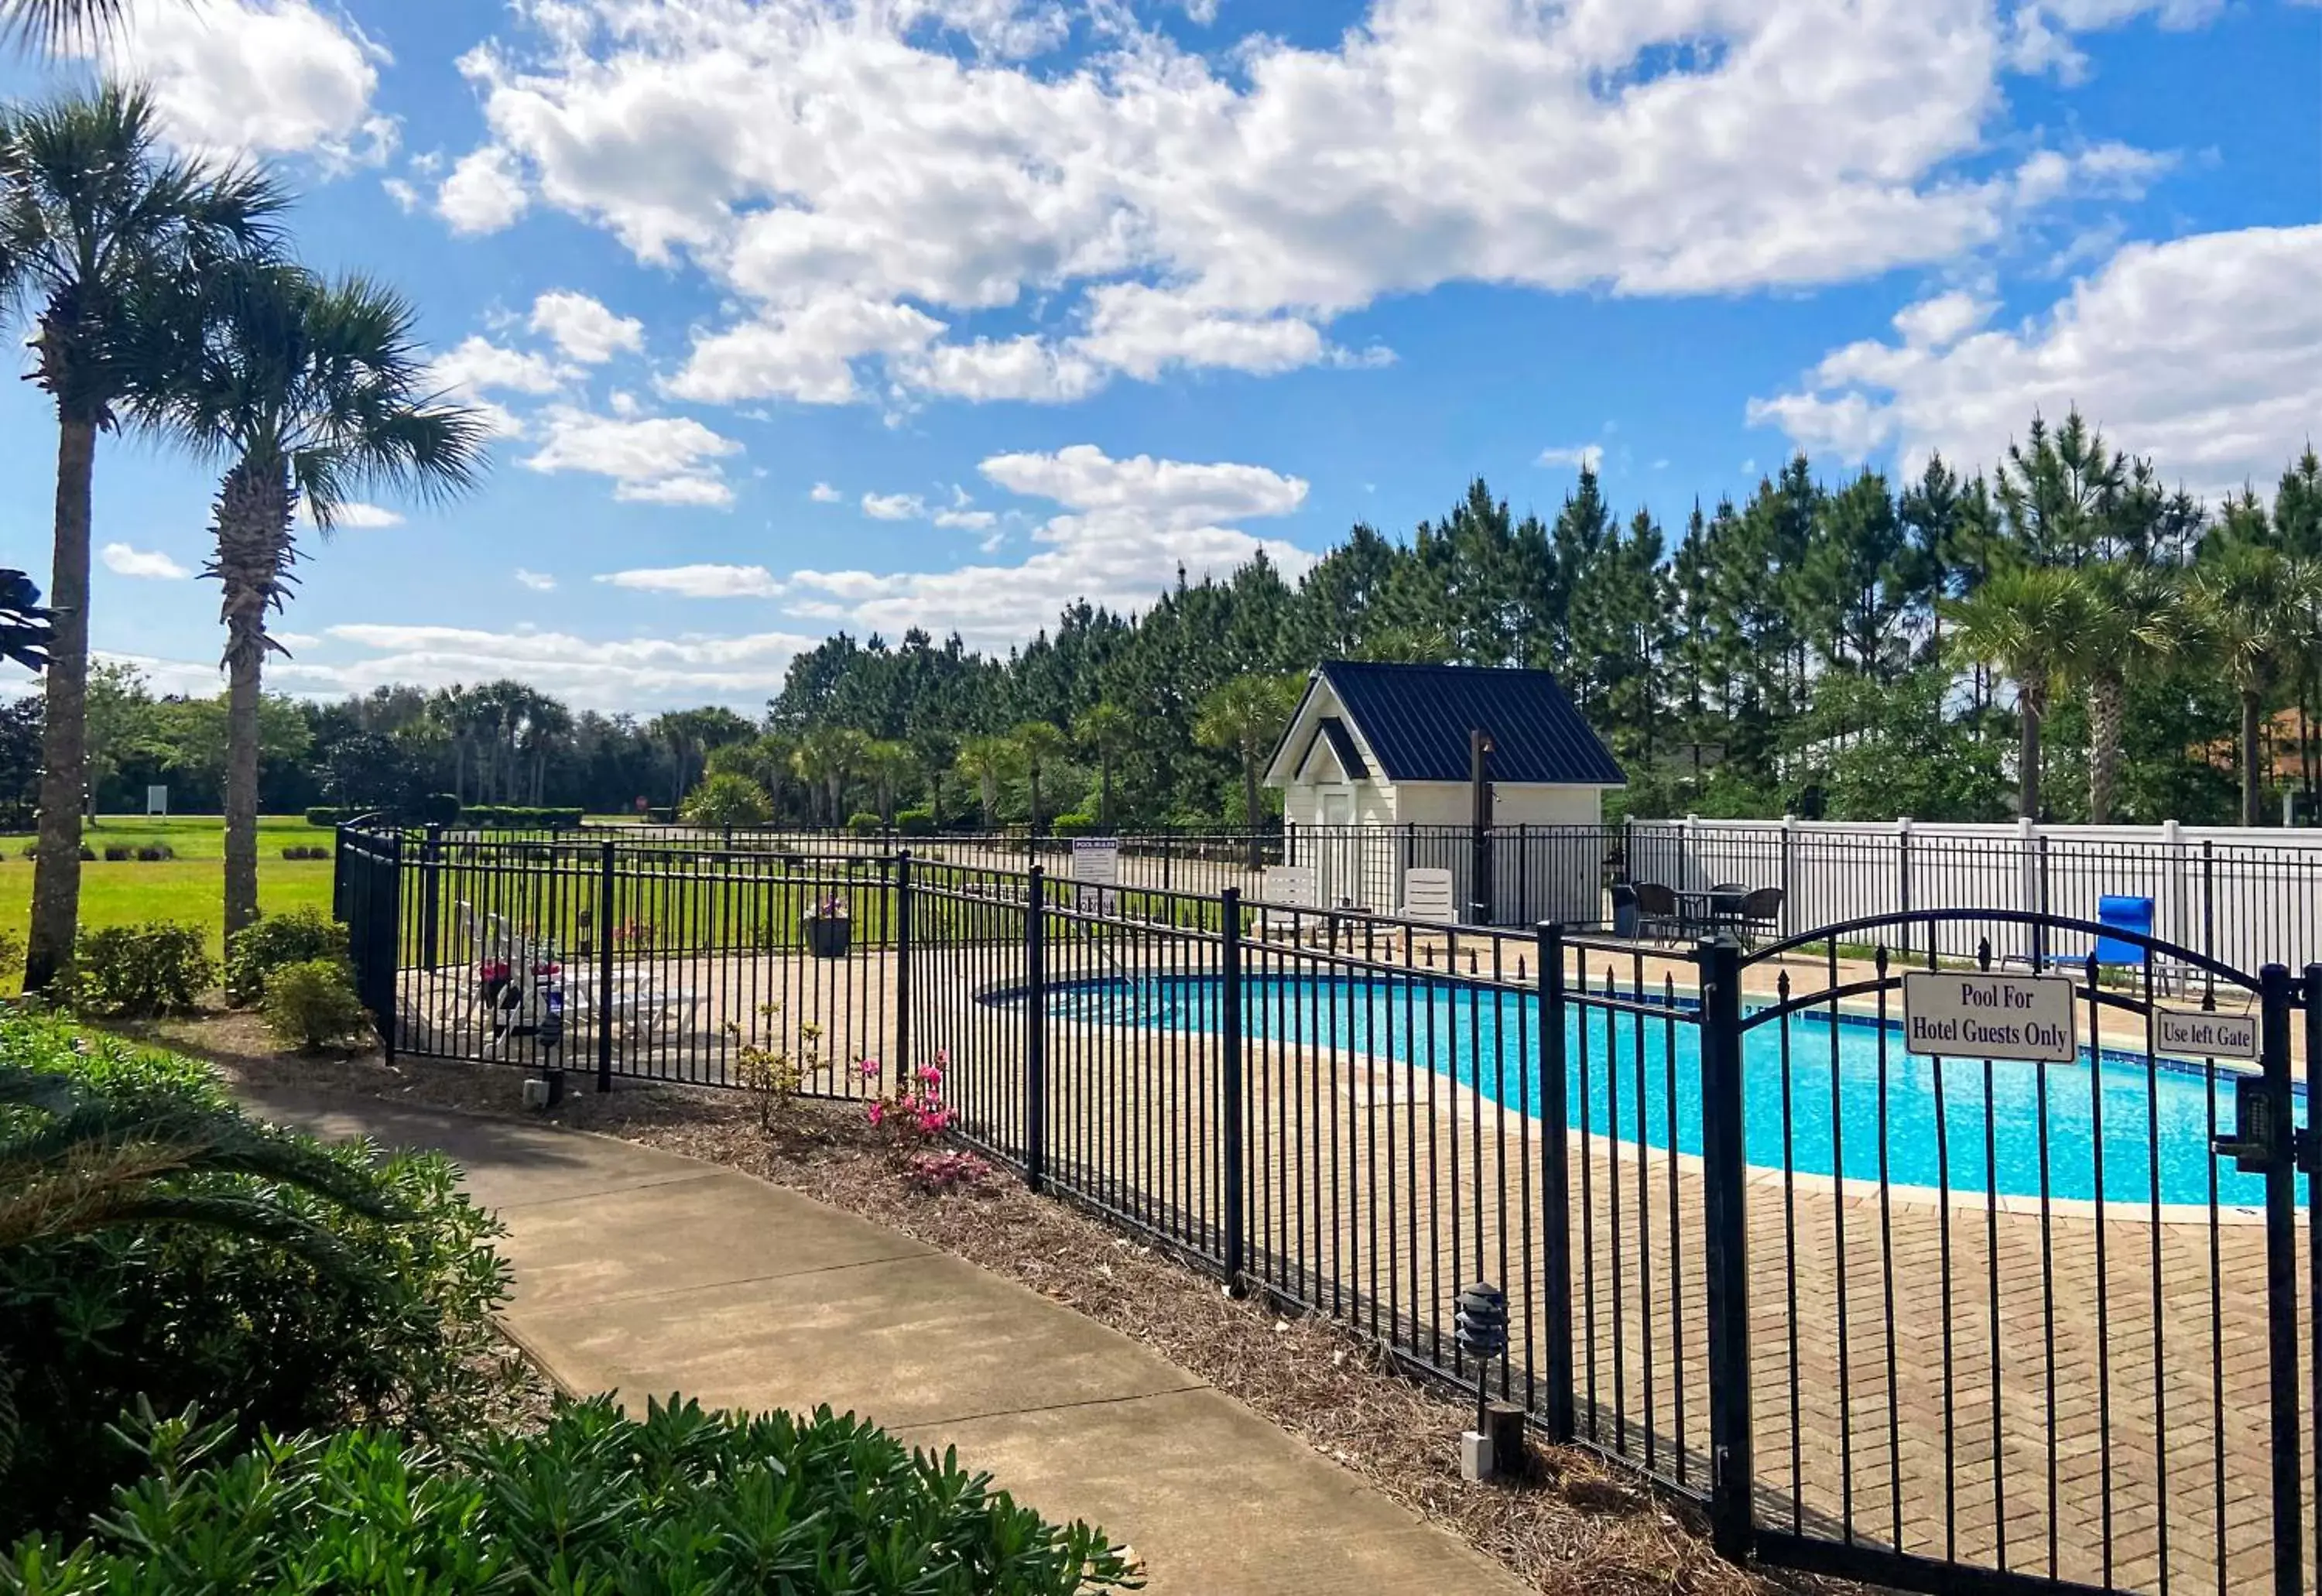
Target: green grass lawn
x,y
190,888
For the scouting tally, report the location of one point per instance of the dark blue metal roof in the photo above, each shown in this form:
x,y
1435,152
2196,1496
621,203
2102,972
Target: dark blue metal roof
x,y
1415,719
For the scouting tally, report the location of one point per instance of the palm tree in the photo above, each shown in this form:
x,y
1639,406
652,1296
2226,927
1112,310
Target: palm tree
x,y
826,756
889,765
1039,744
1245,718
92,215
1104,730
2138,620
985,761
308,391
2028,623
55,25
2256,608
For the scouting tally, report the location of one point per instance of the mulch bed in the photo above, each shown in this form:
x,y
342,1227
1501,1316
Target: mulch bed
x,y
1576,1525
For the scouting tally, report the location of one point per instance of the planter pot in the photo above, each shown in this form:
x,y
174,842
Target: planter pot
x,y
829,938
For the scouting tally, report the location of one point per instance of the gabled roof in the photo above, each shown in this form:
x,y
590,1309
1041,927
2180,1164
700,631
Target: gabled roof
x,y
1333,731
1416,720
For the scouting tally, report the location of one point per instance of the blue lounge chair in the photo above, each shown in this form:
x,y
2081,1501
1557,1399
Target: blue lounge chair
x,y
2133,917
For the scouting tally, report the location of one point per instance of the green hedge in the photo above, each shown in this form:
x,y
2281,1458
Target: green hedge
x,y
682,1501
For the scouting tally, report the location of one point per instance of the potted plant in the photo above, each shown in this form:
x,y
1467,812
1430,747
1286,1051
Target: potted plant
x,y
828,931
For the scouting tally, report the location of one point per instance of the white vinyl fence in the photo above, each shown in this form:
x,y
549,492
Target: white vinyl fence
x,y
2246,898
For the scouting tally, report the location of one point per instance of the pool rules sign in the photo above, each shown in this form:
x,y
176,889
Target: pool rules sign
x,y
1988,1016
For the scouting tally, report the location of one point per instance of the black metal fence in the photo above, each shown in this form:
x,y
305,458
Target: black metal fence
x,y
1941,1322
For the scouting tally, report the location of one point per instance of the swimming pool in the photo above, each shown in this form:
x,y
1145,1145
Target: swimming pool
x,y
1840,1077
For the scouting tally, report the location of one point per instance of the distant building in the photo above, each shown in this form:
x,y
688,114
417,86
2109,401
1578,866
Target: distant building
x,y
1376,745
1376,772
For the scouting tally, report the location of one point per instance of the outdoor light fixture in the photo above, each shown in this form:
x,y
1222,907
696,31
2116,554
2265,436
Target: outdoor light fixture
x,y
1481,1325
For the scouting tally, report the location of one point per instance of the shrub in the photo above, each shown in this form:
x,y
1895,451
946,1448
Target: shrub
x,y
305,852
1073,824
136,972
863,823
11,952
313,1004
681,1500
440,808
727,799
154,852
379,1319
916,823
328,815
257,950
118,852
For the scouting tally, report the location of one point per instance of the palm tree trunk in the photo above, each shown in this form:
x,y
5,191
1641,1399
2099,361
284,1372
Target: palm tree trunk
x,y
2029,706
64,733
2252,735
253,546
1036,799
2107,709
1104,791
1249,807
243,681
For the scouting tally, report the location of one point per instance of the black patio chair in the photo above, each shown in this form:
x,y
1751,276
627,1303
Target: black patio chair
x,y
1658,917
1760,913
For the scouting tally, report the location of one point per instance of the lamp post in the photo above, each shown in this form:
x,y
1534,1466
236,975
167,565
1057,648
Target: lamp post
x,y
1481,1327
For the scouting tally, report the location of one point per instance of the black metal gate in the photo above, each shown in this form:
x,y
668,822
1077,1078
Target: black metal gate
x,y
1985,1320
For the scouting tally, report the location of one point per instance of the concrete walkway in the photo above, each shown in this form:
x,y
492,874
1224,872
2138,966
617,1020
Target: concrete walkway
x,y
645,1273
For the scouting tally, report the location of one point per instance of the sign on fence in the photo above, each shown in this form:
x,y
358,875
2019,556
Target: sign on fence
x,y
157,800
1096,862
1988,1016
2205,1036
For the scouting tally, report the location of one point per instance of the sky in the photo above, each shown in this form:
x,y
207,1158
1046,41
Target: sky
x,y
791,318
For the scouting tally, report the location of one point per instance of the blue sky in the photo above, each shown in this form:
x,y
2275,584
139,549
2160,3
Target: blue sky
x,y
799,317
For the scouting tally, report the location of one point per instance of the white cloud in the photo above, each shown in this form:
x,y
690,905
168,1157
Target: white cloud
x,y
607,674
263,76
538,581
123,560
862,184
483,193
399,190
479,363
1586,457
700,581
823,493
585,329
967,520
354,516
1126,528
2205,353
1941,321
894,506
666,459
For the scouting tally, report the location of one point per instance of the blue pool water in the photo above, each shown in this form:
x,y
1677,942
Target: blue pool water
x,y
1840,1077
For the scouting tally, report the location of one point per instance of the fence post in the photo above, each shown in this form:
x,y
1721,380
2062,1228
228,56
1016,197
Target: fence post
x,y
386,971
1725,1213
605,926
2208,898
339,874
902,939
1903,881
1555,1186
2274,993
431,893
1230,1082
1036,1030
1789,892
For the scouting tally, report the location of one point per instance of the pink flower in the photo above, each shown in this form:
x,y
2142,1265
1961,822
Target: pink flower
x,y
878,1112
868,1067
942,1055
930,1076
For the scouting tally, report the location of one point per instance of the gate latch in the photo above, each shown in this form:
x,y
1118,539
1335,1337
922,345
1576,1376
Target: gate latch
x,y
2257,1141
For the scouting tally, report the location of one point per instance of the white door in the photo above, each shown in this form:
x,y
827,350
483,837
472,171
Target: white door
x,y
1338,861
